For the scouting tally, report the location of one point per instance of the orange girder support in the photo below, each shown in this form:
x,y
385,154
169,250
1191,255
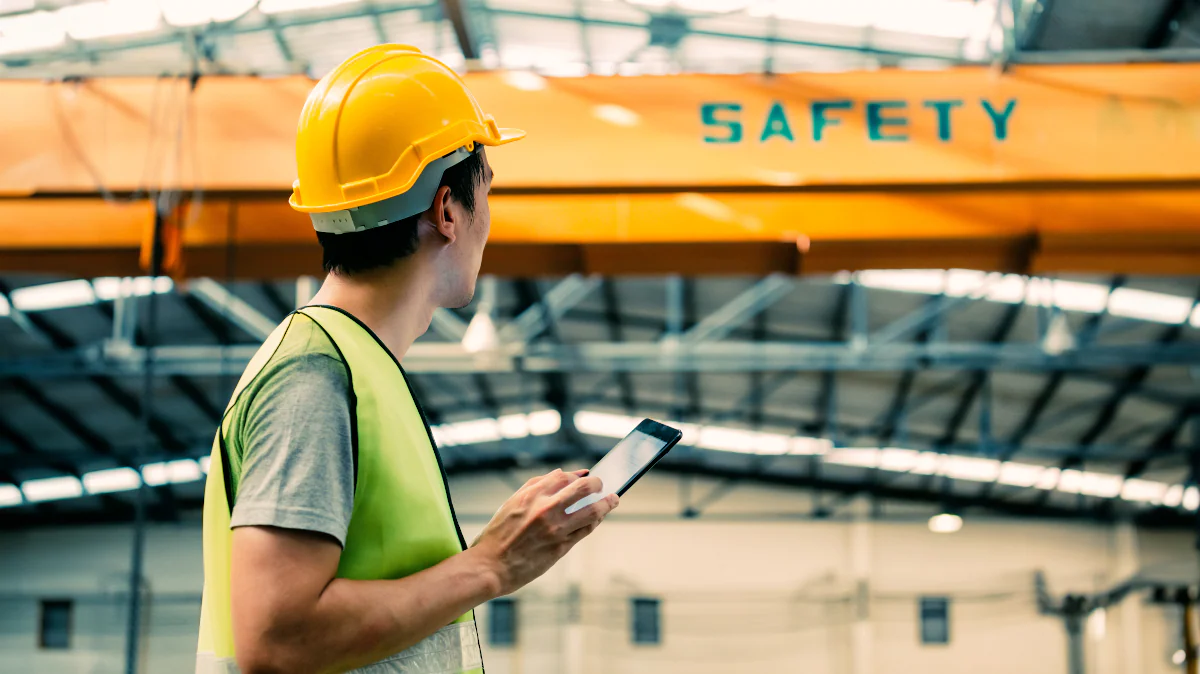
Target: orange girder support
x,y
1039,169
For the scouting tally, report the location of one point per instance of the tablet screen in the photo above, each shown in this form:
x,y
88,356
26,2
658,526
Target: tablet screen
x,y
622,463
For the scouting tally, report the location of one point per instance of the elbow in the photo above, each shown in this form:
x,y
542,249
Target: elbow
x,y
266,658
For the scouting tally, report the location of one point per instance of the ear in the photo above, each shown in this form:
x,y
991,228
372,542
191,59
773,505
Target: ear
x,y
446,218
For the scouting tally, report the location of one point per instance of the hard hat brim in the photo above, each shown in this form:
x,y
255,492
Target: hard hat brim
x,y
506,136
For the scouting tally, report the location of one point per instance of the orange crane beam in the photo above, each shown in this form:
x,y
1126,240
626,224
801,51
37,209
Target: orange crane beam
x,y
1039,169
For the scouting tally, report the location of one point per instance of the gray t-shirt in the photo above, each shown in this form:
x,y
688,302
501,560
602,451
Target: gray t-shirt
x,y
296,438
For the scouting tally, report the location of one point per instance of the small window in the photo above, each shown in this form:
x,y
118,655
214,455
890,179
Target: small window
x,y
647,621
55,627
502,622
935,620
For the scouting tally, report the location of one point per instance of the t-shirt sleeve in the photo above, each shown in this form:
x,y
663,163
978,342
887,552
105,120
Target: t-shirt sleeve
x,y
297,445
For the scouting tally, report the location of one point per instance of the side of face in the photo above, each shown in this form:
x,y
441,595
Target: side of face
x,y
464,236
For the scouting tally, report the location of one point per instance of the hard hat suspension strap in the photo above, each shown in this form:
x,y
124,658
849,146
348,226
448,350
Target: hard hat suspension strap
x,y
416,200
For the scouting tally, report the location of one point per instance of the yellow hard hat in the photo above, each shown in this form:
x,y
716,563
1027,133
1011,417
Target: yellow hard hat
x,y
377,133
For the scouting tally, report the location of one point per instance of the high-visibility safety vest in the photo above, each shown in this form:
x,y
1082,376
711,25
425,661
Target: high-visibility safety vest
x,y
402,522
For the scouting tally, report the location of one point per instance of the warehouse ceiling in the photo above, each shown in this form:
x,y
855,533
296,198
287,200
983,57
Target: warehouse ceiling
x,y
1073,397
57,38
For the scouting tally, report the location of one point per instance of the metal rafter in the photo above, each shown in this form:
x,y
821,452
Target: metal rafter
x,y
1173,14
106,385
1089,331
184,385
231,307
545,310
1108,411
1166,440
978,378
723,357
67,418
282,306
612,316
735,313
456,12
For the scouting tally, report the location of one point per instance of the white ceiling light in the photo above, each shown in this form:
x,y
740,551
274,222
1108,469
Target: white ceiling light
x,y
1101,484
1144,491
481,331
866,457
54,296
1173,496
603,424
1178,657
969,468
481,334
171,472
545,422
811,446
110,480
472,432
1019,474
738,440
91,20
510,426
945,523
32,31
1091,298
513,426
1150,306
51,488
898,460
110,288
10,495
277,6
1191,498
184,13
205,463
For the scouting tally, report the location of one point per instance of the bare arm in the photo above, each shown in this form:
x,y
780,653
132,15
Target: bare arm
x,y
291,615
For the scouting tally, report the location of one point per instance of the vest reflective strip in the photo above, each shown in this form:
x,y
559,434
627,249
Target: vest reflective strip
x,y
450,650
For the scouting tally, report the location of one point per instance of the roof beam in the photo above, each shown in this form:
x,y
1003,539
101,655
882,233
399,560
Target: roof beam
x,y
448,325
233,308
456,12
612,316
557,385
543,313
1167,439
728,356
735,313
66,418
1173,14
978,378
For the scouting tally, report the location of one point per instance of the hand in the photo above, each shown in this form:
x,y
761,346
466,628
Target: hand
x,y
532,531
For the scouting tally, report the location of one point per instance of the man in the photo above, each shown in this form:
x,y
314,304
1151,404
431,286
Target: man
x,y
330,542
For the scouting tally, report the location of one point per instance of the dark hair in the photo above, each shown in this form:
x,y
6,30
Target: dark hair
x,y
380,247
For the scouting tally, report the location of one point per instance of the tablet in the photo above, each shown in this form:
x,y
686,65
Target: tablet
x,y
630,459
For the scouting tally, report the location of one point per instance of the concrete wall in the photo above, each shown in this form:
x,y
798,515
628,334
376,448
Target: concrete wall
x,y
750,587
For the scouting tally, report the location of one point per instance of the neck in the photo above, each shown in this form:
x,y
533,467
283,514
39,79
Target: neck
x,y
397,303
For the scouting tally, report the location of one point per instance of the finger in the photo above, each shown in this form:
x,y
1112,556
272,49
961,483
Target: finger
x,y
583,486
583,472
592,514
554,481
581,533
